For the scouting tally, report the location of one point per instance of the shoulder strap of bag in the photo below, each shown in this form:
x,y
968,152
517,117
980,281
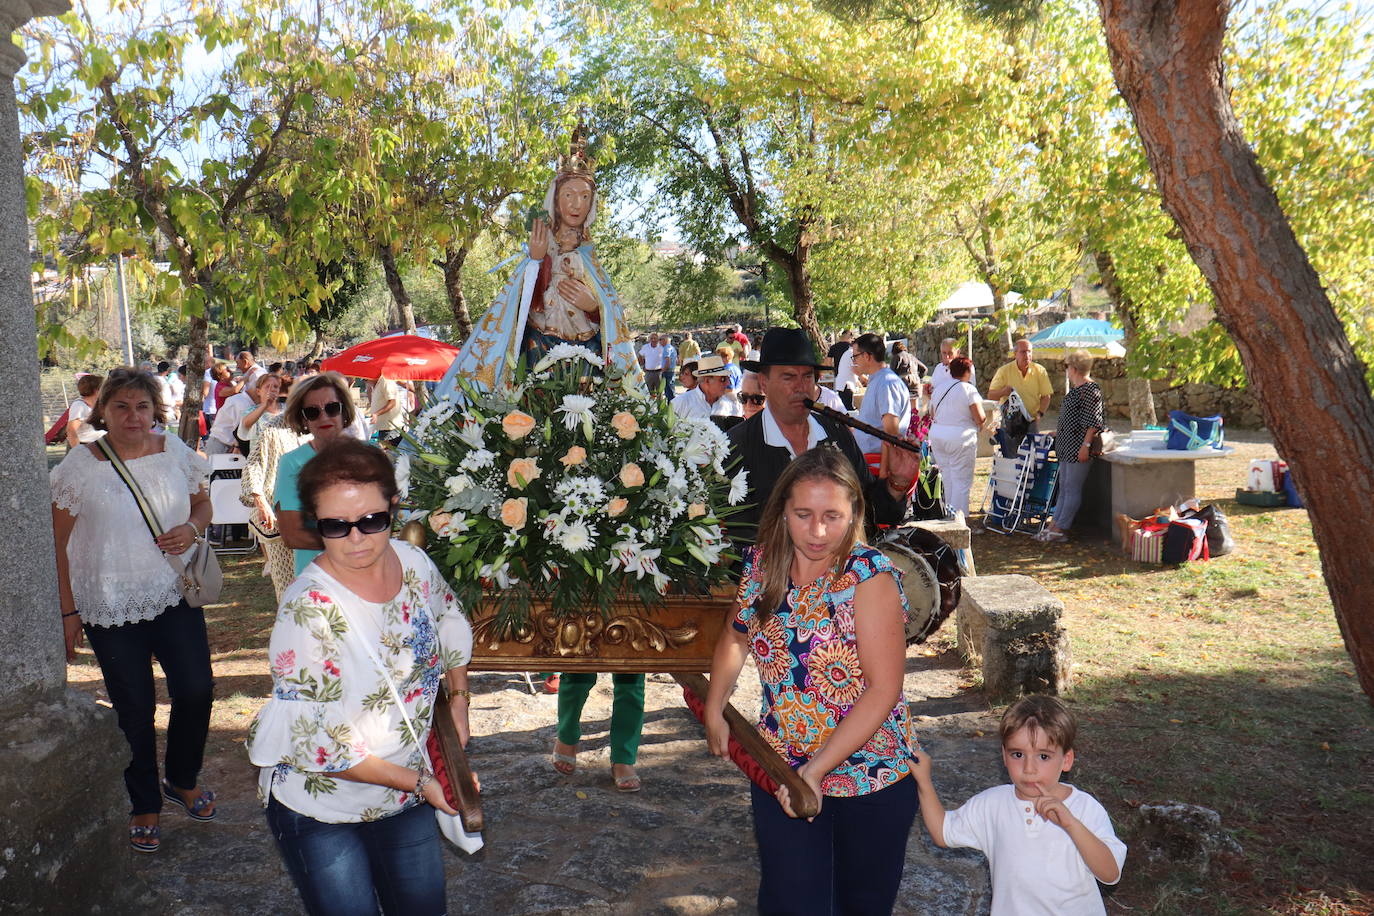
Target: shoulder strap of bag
x,y
352,632
952,386
145,509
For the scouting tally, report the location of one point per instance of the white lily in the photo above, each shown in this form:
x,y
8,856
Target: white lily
x,y
739,488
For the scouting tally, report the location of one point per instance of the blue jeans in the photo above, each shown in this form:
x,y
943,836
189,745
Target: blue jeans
x,y
177,639
1072,476
847,861
349,869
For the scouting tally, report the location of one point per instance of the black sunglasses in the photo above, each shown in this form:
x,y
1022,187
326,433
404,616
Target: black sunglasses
x,y
758,399
332,409
374,523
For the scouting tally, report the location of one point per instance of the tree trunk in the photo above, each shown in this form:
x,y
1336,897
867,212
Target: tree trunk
x,y
189,429
1142,399
1167,60
405,312
317,347
454,259
799,288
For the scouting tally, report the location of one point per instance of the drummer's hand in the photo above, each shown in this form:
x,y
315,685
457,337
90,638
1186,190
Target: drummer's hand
x,y
576,292
903,467
717,734
539,240
811,779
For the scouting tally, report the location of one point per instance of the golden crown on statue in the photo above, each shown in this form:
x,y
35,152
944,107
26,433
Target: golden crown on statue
x,y
576,164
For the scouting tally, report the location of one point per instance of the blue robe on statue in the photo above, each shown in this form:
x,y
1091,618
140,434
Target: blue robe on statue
x,y
504,335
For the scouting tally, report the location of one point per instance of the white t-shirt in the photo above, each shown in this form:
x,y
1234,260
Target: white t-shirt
x,y
251,376
693,404
886,394
829,398
844,372
387,390
952,402
80,410
1036,869
229,416
653,357
939,376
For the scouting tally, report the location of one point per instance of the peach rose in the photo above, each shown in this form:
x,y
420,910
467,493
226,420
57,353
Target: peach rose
x,y
617,506
696,510
513,512
631,475
522,468
438,521
576,455
625,427
517,424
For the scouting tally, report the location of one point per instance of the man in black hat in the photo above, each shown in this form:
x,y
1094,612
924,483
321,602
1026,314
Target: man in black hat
x,y
765,443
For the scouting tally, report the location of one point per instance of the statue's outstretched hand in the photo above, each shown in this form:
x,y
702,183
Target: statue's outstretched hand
x,y
539,240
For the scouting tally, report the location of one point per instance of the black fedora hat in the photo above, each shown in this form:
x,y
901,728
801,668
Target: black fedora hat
x,y
784,347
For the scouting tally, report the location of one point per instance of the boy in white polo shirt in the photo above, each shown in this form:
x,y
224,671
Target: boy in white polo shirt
x,y
1047,843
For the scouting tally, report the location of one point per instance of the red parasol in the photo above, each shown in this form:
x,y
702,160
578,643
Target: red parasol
x,y
403,356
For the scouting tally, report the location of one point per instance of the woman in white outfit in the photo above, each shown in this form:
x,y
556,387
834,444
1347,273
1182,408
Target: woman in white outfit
x,y
956,417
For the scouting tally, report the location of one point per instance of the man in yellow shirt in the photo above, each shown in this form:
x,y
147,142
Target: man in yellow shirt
x,y
1032,383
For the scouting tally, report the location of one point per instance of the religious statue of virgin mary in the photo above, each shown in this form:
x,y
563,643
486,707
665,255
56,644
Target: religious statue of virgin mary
x,y
557,294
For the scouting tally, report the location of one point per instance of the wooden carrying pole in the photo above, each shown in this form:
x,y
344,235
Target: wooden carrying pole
x,y
456,762
804,801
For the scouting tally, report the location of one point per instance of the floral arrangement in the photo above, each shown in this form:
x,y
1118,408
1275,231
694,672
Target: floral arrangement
x,y
570,487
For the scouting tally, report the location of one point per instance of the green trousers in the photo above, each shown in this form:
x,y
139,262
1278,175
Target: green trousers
x,y
627,712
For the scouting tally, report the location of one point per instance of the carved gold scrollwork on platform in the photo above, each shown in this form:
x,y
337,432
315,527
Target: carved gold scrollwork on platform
x,y
581,635
643,635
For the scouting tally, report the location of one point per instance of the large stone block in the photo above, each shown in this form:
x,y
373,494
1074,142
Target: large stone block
x,y
63,842
1012,628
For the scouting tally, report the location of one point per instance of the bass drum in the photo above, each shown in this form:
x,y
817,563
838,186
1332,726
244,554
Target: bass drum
x,y
930,578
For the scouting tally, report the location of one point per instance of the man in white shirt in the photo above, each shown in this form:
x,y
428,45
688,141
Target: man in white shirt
x,y
250,370
651,358
388,408
845,379
887,402
712,396
223,436
939,378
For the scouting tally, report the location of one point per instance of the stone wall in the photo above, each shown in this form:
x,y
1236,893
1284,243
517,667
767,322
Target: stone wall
x,y
1237,406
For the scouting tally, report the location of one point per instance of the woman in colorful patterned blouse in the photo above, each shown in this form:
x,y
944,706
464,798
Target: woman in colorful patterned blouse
x,y
345,777
824,622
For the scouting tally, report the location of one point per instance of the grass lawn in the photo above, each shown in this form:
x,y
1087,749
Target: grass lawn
x,y
1223,684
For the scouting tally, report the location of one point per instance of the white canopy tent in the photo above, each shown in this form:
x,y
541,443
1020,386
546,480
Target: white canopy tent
x,y
972,300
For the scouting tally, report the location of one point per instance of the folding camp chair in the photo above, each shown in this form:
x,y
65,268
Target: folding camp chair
x,y
1020,493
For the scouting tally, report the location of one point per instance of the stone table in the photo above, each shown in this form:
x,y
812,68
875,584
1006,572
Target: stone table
x,y
1145,475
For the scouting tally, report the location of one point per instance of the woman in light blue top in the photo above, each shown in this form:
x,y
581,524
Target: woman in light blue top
x,y
321,407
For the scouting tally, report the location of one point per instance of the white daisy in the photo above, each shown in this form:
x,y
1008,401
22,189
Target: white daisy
x,y
739,488
576,409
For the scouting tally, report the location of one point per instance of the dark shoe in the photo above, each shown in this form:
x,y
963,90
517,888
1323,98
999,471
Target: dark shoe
x,y
145,837
196,810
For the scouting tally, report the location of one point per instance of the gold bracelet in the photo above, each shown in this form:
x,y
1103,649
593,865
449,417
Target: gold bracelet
x,y
460,692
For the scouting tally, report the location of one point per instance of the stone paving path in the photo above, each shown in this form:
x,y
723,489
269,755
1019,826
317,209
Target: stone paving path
x,y
555,845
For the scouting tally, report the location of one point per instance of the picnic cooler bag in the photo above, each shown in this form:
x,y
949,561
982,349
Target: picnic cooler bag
x,y
1189,433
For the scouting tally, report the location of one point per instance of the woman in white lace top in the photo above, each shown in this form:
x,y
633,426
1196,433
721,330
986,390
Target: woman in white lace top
x,y
114,581
362,638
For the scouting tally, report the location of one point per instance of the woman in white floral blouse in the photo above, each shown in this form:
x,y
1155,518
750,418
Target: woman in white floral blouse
x,y
347,786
